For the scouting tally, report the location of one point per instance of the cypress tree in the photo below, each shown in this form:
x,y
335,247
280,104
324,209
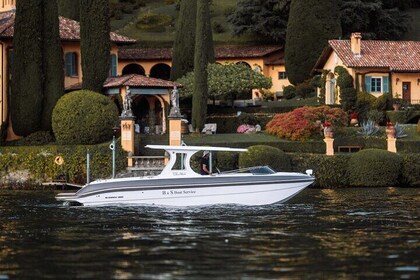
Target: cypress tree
x,y
27,86
183,48
311,24
52,62
69,9
201,60
95,43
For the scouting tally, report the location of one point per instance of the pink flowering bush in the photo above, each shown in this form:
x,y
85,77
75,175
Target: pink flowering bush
x,y
302,123
243,128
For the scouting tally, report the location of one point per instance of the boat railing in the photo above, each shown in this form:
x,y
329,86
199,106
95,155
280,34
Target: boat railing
x,y
255,170
148,163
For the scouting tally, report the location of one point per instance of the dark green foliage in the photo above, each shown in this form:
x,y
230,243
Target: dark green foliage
x,y
261,155
246,118
373,19
184,43
309,28
305,89
38,138
418,127
202,56
39,161
264,18
95,43
84,117
384,102
27,84
226,161
329,171
402,116
364,104
69,9
289,92
321,97
52,62
374,168
348,94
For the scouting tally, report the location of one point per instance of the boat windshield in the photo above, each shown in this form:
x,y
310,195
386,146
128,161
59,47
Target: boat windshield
x,y
255,170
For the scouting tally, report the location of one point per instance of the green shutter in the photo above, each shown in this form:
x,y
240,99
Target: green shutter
x,y
113,65
69,65
368,82
385,81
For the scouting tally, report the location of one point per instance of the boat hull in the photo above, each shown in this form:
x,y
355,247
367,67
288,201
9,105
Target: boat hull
x,y
257,193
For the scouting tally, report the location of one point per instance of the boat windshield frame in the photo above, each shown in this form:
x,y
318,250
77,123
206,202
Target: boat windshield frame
x,y
254,170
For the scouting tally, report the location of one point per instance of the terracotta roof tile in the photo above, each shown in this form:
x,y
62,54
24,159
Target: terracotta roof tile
x,y
395,55
132,80
69,29
220,52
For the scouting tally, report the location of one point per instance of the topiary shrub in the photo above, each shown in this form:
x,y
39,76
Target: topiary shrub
x,y
289,92
226,161
265,155
374,168
410,170
84,117
36,139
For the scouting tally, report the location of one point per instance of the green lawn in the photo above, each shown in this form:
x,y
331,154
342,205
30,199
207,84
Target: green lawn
x,y
127,25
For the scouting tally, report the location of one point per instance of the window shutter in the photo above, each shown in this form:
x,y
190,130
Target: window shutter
x,y
69,65
385,81
368,82
113,65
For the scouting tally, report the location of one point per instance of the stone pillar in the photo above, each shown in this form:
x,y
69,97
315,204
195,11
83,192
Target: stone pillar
x,y
175,131
127,137
392,144
330,146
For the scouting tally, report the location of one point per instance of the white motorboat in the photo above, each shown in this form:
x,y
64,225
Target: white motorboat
x,y
179,185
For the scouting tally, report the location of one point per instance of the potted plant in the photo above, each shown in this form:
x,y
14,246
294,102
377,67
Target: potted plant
x,y
397,102
390,130
353,119
328,130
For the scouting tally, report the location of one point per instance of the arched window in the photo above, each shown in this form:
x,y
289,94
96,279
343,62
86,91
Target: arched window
x,y
72,64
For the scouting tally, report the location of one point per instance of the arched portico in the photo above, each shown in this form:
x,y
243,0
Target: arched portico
x,y
133,68
161,71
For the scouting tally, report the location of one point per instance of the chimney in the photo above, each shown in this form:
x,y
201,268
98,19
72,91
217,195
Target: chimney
x,y
356,41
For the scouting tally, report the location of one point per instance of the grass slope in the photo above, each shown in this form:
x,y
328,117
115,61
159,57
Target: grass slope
x,y
163,38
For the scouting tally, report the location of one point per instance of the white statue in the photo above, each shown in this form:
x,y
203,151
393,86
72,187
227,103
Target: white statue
x,y
175,97
127,104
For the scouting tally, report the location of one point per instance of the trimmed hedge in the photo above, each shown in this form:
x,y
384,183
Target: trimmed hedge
x,y
229,123
374,168
265,155
39,162
410,174
84,117
329,171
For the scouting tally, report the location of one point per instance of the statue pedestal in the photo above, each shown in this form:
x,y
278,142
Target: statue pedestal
x,y
392,144
175,131
127,137
330,146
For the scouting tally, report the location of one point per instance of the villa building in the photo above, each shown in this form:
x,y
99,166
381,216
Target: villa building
x,y
377,67
269,60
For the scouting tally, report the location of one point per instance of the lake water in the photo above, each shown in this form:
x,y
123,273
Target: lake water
x,y
320,234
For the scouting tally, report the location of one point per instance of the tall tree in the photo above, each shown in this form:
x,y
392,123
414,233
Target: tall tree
x,y
69,9
266,18
26,84
53,87
310,27
201,60
184,43
376,19
95,43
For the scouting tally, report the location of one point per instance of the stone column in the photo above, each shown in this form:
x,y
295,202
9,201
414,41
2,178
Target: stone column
x,y
392,144
330,146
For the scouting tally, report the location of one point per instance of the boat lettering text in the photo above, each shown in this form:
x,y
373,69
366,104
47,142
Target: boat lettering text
x,y
173,192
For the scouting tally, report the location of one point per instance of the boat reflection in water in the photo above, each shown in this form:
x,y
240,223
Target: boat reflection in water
x,y
184,187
